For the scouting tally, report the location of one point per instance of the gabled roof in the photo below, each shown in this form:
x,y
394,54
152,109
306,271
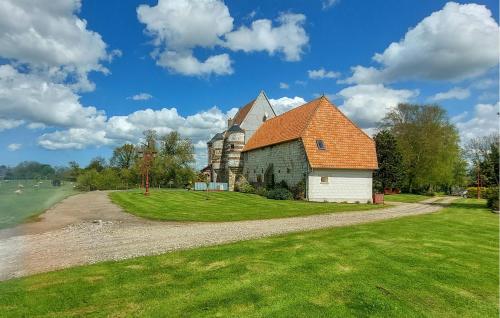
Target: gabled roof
x,y
346,146
242,113
218,136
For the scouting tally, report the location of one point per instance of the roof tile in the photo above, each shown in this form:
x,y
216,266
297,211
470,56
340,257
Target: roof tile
x,y
347,146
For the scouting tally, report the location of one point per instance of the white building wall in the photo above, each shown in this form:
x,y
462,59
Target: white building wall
x,y
253,120
343,185
288,159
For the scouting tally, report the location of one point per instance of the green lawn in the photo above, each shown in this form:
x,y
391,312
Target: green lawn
x,y
15,208
442,264
406,197
182,205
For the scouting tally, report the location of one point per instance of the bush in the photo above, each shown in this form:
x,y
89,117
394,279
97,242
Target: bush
x,y
246,187
491,196
299,190
282,184
280,194
472,192
261,191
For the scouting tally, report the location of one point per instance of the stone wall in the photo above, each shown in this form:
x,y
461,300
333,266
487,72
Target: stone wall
x,y
288,160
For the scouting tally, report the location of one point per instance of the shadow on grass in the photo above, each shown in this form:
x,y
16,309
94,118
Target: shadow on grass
x,y
468,205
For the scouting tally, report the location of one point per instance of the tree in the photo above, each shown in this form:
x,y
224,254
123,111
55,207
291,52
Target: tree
x,y
390,160
429,145
74,169
97,163
482,153
179,151
123,156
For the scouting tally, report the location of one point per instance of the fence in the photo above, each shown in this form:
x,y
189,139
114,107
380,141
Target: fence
x,y
212,186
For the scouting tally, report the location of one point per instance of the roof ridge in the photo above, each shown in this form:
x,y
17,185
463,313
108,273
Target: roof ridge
x,y
311,115
291,110
353,123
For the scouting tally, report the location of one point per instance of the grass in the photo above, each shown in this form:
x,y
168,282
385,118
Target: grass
x,y
442,264
406,197
182,205
16,208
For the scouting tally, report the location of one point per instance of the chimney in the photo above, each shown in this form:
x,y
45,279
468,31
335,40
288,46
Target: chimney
x,y
229,122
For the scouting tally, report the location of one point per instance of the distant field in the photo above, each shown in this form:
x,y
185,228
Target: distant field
x,y
15,208
181,205
406,197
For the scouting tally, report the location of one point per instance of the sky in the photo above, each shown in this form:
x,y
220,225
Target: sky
x,y
78,78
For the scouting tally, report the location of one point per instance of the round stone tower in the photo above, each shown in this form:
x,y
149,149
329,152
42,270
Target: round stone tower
x,y
233,158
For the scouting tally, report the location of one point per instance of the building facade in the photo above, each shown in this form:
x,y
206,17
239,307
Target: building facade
x,y
314,143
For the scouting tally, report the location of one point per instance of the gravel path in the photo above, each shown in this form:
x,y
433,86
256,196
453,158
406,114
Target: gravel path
x,y
87,228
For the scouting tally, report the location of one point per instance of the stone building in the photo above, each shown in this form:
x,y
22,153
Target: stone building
x,y
314,143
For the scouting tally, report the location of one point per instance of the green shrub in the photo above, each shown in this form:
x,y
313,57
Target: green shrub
x,y
246,187
262,191
280,194
491,196
472,192
282,184
88,181
299,190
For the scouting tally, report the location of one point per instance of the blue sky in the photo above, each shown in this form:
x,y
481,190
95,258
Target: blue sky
x,y
67,91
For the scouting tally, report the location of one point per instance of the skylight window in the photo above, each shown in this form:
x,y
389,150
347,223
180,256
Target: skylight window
x,y
320,144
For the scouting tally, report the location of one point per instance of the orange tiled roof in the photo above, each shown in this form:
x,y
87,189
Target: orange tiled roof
x,y
242,113
347,146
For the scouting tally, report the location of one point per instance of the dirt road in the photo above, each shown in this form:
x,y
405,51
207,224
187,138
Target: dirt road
x,y
88,228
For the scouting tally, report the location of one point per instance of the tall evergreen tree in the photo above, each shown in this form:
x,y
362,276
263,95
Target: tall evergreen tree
x,y
390,161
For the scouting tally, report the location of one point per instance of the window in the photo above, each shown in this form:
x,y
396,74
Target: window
x,y
232,146
287,170
320,144
324,179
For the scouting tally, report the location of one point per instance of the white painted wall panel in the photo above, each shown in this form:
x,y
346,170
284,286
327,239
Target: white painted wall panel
x,y
342,185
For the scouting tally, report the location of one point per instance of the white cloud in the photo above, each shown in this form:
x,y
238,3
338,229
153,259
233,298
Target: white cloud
x,y
129,128
179,26
36,126
322,73
52,40
186,64
285,104
140,96
457,42
73,138
288,37
326,4
368,104
454,93
14,147
29,97
484,121
284,85
9,123
185,24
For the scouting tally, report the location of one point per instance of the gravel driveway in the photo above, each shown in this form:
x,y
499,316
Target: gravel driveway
x,y
88,228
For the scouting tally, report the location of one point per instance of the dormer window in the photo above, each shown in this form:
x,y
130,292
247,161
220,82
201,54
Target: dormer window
x,y
320,144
